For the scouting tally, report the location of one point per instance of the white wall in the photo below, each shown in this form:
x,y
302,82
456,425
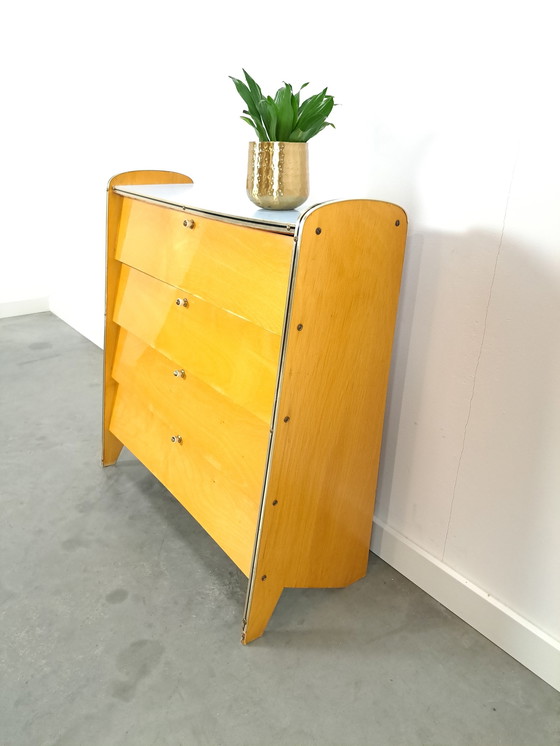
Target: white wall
x,y
445,110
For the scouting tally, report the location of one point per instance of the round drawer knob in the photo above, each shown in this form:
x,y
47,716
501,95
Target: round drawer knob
x,y
179,373
182,302
188,223
176,439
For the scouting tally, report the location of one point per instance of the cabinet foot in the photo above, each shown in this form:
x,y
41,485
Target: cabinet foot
x,y
111,449
261,604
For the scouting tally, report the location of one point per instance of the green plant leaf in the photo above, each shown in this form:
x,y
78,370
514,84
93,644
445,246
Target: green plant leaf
x,y
254,88
283,102
259,129
283,118
250,121
312,99
297,136
269,112
246,95
295,108
315,129
314,108
295,101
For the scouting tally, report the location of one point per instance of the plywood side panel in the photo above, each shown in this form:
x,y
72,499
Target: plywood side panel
x,y
317,511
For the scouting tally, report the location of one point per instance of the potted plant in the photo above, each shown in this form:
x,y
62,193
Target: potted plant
x,y
278,172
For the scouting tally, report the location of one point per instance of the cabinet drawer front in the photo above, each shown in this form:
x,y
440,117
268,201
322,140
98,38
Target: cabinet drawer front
x,y
243,270
234,356
225,434
224,510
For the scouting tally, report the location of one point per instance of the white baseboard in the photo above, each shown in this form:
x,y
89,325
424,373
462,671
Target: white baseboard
x,y
521,639
23,307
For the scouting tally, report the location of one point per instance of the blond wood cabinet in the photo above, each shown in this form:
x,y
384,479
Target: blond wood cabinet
x,y
246,365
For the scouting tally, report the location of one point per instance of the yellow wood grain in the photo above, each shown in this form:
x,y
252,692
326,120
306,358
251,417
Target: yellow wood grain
x,y
224,510
312,527
264,593
111,447
234,356
231,438
243,270
318,507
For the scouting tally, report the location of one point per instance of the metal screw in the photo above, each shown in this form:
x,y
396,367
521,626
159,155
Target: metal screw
x,y
397,222
299,327
188,223
179,373
263,577
176,439
286,419
318,231
275,502
182,302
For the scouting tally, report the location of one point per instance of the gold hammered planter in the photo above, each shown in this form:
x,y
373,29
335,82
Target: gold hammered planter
x,y
278,174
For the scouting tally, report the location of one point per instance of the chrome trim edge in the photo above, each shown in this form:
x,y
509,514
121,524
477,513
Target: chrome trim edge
x,y
274,418
287,229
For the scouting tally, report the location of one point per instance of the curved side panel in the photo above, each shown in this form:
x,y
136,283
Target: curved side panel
x,y
317,509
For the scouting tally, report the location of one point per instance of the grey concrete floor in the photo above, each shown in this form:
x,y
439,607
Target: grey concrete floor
x,y
120,618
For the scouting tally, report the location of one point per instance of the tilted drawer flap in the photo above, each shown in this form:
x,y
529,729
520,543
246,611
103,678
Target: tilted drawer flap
x,y
240,269
224,433
224,510
229,353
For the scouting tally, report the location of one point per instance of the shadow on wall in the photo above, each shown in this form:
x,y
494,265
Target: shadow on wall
x,y
469,466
